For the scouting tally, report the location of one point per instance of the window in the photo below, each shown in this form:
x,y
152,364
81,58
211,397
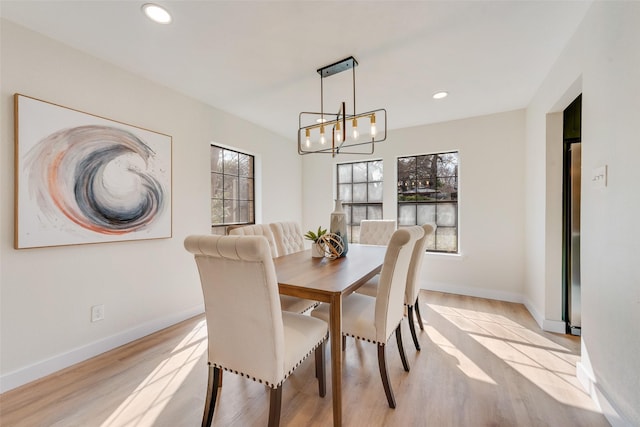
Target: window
x,y
232,188
428,193
360,190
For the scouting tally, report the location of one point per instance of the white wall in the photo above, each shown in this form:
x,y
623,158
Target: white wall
x,y
602,63
46,294
491,199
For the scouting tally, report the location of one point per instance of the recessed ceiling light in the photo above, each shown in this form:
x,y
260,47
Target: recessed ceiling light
x,y
440,95
156,13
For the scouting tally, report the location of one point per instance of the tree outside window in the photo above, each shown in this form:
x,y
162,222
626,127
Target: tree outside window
x,y
232,188
428,193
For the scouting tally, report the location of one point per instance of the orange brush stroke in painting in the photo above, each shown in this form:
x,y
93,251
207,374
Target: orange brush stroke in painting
x,y
58,200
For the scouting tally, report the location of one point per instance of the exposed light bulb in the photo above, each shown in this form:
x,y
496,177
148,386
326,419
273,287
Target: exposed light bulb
x,y
373,125
355,128
338,132
307,138
322,138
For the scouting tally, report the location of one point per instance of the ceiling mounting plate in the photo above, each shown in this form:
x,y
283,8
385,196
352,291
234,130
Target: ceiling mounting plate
x,y
337,67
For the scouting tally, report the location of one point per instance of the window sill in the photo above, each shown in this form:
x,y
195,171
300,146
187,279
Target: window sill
x,y
446,255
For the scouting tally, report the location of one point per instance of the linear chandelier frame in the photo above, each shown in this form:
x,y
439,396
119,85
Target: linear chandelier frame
x,y
340,142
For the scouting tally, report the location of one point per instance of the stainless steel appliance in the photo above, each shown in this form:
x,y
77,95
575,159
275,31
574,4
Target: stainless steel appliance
x,y
571,177
574,320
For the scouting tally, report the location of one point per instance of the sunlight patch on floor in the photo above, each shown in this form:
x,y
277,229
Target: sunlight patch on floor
x,y
147,402
493,324
545,363
473,315
466,365
542,366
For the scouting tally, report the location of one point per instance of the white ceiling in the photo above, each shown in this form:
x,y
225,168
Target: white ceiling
x,y
258,59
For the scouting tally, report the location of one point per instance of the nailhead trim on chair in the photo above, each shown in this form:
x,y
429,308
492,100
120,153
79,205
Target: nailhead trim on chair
x,y
372,341
258,380
310,308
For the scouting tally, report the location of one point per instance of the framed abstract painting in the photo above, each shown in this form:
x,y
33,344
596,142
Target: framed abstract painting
x,y
81,178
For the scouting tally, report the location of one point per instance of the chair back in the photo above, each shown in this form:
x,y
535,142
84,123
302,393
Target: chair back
x,y
389,309
242,308
415,266
257,230
288,237
376,231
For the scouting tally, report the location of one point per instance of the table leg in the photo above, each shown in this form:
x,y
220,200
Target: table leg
x,y
335,326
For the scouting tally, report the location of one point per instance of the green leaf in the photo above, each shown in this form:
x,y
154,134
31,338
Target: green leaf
x,y
310,235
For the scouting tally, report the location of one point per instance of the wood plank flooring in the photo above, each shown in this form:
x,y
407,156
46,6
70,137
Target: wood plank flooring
x,y
483,363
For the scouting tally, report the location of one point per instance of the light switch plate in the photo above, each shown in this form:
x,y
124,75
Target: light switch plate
x,y
599,177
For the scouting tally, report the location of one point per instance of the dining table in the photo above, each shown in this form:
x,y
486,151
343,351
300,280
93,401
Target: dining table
x,y
329,280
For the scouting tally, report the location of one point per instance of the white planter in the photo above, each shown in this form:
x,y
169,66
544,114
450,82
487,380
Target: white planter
x,y
316,250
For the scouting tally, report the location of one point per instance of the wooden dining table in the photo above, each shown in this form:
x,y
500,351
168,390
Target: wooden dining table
x,y
329,280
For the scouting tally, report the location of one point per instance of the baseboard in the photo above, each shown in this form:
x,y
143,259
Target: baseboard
x,y
556,326
537,316
473,292
548,325
46,367
604,404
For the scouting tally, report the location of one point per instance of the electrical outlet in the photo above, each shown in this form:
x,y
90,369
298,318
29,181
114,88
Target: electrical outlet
x,y
97,313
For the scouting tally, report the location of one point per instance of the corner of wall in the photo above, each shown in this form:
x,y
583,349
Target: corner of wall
x,y
590,386
534,313
587,379
548,325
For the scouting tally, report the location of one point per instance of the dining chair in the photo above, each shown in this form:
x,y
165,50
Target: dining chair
x,y
288,303
376,231
288,236
412,291
374,319
264,344
257,230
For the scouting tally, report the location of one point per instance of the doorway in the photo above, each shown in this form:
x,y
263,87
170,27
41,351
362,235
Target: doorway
x,y
571,177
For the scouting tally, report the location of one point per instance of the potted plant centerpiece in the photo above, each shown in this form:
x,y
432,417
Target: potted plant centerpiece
x,y
316,248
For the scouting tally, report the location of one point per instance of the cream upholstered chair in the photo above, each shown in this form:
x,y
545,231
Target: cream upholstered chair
x,y
412,291
257,230
376,231
288,303
288,236
264,344
375,319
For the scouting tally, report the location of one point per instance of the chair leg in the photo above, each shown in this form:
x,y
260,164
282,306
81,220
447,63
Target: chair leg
x,y
320,372
384,374
212,393
412,327
417,306
344,342
401,347
275,403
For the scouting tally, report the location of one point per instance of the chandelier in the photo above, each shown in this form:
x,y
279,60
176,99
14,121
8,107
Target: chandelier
x,y
340,132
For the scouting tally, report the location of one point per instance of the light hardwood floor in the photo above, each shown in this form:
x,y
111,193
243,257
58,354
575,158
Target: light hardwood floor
x,y
483,363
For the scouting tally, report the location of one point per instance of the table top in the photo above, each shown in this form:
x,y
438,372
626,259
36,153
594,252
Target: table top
x,y
320,278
